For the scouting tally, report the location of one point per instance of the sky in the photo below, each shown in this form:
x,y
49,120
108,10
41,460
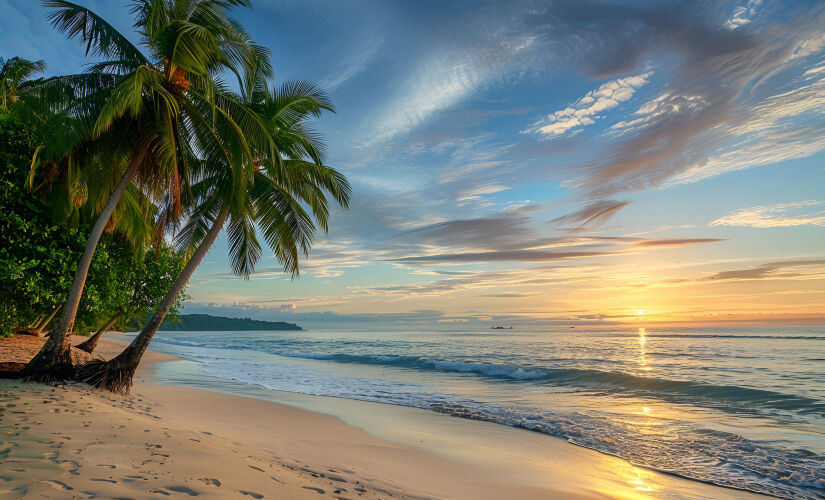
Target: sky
x,y
539,163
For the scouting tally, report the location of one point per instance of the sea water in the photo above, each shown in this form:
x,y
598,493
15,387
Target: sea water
x,y
736,407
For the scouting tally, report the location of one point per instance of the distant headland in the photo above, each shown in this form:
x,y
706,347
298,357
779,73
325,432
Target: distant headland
x,y
209,323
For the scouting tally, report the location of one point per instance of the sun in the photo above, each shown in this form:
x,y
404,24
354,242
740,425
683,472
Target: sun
x,y
640,313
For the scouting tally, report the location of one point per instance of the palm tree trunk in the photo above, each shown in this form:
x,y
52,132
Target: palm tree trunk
x,y
54,361
42,326
117,374
90,344
34,325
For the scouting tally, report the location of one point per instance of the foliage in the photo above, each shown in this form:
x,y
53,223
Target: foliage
x,y
15,73
149,279
38,256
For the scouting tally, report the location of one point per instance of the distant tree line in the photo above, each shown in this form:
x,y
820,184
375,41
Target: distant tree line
x,y
210,323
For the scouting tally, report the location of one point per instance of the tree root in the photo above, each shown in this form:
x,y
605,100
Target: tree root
x,y
114,375
49,369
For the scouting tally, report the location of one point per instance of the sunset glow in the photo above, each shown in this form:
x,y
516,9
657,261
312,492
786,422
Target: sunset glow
x,y
477,204
471,250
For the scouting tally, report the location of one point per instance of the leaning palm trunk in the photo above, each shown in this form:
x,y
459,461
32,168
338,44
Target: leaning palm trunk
x,y
54,361
42,326
116,374
90,344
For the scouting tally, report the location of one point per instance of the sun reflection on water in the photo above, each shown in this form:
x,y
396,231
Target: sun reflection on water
x,y
643,482
643,364
638,482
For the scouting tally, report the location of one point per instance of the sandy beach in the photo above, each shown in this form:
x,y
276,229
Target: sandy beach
x,y
70,441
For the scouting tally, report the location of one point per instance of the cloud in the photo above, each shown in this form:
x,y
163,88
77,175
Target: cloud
x,y
587,109
354,63
676,242
782,127
663,105
502,256
502,230
729,101
774,270
530,255
800,213
742,15
511,236
508,295
482,280
593,214
477,192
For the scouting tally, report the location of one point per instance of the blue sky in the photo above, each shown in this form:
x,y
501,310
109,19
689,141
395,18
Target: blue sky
x,y
541,162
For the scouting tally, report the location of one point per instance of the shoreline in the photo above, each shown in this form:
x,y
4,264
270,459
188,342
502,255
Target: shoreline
x,y
287,445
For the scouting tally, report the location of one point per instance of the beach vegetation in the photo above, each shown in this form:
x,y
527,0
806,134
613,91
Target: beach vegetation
x,y
41,248
142,114
149,148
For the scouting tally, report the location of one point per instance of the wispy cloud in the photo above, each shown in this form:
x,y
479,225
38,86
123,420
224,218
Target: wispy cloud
x,y
795,269
593,214
783,127
743,14
676,242
535,277
799,213
729,102
477,192
589,108
356,61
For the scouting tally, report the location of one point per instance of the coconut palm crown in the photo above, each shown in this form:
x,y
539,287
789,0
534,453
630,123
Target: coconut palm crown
x,y
16,72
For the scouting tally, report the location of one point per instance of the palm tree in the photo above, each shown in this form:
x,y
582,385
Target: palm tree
x,y
272,199
147,115
15,73
89,344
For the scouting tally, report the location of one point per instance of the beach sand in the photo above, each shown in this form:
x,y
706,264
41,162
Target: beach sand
x,y
163,441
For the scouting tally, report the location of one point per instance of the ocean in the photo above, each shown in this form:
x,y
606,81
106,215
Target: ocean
x,y
737,407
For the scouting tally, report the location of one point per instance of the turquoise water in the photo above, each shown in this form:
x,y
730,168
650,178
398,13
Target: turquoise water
x,y
737,407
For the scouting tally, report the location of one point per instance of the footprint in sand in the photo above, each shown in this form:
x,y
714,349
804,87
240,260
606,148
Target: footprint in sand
x,y
101,480
316,490
250,493
59,485
183,489
210,481
69,466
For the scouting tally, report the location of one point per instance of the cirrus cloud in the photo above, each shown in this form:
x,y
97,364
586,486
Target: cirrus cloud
x,y
799,213
586,110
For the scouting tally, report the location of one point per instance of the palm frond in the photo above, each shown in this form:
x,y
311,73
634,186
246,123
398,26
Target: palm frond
x,y
101,38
